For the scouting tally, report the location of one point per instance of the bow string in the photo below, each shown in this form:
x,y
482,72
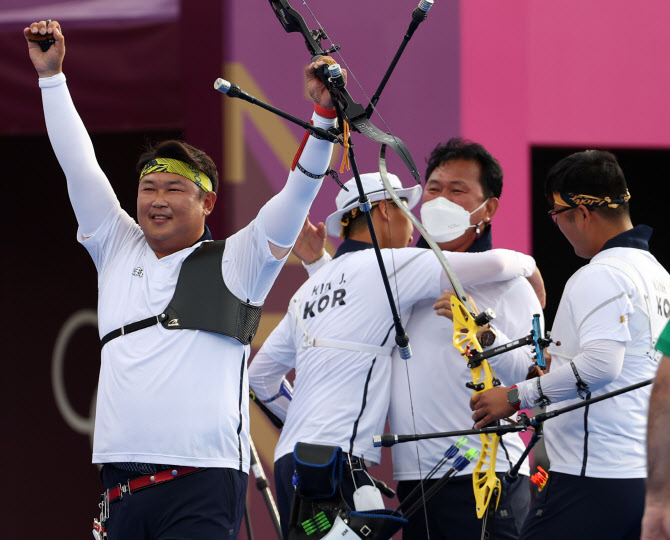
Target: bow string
x,y
466,322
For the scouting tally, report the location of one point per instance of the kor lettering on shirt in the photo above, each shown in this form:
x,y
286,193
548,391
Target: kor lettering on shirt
x,y
662,302
324,296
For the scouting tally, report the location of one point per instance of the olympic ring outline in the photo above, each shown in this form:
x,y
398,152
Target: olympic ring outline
x,y
78,423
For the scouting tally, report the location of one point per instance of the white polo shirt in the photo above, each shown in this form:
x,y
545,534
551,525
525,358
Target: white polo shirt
x,y
174,397
600,302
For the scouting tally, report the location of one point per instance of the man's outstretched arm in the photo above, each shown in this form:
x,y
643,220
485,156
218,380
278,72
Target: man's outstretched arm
x,y
284,214
91,195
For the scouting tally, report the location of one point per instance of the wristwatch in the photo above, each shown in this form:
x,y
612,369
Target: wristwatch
x,y
486,336
513,397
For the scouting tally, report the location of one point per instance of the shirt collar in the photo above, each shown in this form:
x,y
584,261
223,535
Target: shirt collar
x,y
348,246
206,235
483,243
637,237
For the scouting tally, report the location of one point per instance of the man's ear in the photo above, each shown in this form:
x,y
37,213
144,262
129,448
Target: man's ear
x,y
490,208
584,215
208,201
384,209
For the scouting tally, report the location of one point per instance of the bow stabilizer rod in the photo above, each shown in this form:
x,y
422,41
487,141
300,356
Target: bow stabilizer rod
x,y
524,422
234,91
418,16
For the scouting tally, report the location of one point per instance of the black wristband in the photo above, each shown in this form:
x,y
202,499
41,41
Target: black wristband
x,y
543,400
307,173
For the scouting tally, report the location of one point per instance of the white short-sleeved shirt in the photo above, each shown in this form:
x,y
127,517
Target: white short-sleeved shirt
x,y
438,373
341,397
174,397
607,439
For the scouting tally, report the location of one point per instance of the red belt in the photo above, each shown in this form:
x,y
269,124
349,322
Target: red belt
x,y
148,480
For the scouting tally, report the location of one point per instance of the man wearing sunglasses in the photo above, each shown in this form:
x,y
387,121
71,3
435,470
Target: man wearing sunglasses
x,y
608,321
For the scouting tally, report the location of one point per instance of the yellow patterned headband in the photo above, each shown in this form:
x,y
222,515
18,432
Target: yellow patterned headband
x,y
176,166
573,199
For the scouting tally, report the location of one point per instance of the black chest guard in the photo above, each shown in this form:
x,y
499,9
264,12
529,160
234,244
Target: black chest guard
x,y
202,301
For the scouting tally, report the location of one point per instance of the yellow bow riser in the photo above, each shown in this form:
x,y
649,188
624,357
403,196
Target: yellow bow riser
x,y
484,479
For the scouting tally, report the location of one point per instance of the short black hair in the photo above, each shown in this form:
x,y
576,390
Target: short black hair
x,y
183,152
591,172
460,148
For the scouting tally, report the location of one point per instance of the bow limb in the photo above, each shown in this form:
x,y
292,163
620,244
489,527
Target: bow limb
x,y
292,21
354,114
351,111
455,283
486,484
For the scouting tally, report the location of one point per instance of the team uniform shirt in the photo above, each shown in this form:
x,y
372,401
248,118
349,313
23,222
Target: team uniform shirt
x,y
341,396
177,397
610,300
184,389
438,373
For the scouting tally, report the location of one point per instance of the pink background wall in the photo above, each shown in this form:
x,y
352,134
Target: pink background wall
x,y
573,73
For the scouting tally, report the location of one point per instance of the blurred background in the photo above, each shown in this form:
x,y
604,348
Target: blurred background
x,y
532,81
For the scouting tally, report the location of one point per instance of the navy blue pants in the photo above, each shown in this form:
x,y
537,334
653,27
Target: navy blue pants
x,y
581,508
205,505
451,511
284,486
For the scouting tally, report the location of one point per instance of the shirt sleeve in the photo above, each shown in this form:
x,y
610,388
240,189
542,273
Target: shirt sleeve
x,y
284,214
600,306
265,378
274,360
598,363
488,266
90,192
248,266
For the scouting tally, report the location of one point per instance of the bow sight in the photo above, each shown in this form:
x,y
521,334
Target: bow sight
x,y
292,21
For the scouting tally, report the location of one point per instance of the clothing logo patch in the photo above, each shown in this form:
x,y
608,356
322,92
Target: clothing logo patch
x,y
138,272
173,322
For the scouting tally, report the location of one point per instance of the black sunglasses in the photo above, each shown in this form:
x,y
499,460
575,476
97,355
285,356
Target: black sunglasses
x,y
553,213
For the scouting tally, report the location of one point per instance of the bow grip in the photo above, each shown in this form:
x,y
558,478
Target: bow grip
x,y
537,336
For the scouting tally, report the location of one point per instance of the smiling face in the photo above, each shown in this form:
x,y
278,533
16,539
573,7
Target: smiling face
x,y
171,211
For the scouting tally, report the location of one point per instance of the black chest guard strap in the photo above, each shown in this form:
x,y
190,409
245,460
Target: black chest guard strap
x,y
202,301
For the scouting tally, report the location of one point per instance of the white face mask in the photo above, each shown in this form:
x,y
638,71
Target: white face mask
x,y
445,220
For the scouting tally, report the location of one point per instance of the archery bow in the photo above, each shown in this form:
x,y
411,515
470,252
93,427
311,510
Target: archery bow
x,y
466,321
357,117
486,484
354,114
